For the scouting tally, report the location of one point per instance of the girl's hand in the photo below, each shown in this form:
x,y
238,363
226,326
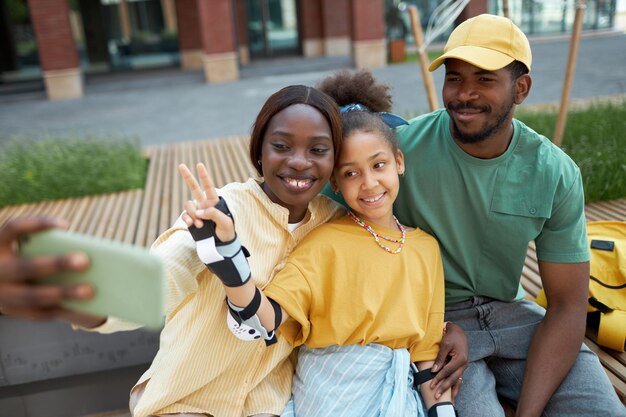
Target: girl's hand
x,y
202,207
451,361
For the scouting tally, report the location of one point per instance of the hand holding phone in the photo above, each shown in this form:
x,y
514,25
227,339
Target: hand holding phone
x,y
128,281
19,297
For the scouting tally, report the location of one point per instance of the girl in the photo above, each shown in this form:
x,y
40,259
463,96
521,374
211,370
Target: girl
x,y
363,293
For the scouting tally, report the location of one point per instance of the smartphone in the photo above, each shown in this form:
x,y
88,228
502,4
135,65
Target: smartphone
x,y
129,281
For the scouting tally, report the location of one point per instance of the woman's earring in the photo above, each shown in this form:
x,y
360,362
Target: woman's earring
x,y
258,162
401,173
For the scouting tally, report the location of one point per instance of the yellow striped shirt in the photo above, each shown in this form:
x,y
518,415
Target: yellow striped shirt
x,y
200,366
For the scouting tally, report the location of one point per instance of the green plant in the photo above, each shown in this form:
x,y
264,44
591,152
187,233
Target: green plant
x,y
396,27
17,10
432,54
169,35
594,139
61,167
25,47
145,37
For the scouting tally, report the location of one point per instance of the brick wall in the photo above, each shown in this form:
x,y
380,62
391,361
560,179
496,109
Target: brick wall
x,y
474,8
188,25
368,20
51,23
310,19
336,16
216,26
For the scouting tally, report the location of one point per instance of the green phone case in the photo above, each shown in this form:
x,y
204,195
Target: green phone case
x,y
129,281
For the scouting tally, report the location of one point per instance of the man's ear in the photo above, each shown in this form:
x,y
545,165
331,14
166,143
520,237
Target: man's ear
x,y
522,88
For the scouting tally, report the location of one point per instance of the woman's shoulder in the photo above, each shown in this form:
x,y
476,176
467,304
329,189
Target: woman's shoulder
x,y
239,190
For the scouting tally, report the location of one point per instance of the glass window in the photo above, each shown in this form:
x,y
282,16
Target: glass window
x,y
272,27
557,16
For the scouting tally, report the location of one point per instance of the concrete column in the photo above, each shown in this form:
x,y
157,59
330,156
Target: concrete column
x,y
124,16
169,15
218,40
311,28
189,38
57,52
369,49
336,16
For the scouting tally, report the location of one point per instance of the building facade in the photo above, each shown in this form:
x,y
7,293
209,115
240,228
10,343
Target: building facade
x,y
61,40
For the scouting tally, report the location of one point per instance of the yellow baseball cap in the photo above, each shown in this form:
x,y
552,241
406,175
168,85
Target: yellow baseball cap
x,y
486,41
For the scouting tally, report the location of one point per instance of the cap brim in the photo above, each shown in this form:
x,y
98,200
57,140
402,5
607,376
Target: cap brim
x,y
484,58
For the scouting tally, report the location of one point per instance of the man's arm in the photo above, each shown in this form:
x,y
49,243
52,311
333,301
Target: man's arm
x,y
558,338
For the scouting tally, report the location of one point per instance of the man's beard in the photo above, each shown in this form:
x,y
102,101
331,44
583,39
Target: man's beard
x,y
490,129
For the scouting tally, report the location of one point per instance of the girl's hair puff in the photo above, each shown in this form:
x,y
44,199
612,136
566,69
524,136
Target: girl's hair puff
x,y
348,87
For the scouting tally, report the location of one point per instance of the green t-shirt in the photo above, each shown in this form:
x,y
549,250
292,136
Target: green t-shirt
x,y
484,212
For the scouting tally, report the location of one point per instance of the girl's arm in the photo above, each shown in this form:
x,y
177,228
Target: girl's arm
x,y
212,227
437,407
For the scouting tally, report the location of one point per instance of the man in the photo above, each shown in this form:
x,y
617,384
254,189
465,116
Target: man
x,y
486,185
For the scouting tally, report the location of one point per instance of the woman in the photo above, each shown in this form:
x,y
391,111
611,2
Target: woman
x,y
198,369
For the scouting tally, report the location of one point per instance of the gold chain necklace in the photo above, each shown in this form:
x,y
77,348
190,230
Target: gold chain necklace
x,y
377,236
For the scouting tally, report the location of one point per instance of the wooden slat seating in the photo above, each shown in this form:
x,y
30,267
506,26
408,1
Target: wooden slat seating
x,y
614,362
139,216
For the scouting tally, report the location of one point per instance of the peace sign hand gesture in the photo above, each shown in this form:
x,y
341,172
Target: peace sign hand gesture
x,y
202,207
213,230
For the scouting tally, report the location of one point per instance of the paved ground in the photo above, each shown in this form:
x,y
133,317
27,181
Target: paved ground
x,y
165,106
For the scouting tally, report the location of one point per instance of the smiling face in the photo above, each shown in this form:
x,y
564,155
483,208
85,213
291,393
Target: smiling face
x,y
367,176
296,158
480,102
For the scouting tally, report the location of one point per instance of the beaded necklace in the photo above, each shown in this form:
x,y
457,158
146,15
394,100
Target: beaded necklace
x,y
377,236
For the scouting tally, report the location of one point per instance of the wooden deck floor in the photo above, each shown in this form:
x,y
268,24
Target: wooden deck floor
x,y
139,216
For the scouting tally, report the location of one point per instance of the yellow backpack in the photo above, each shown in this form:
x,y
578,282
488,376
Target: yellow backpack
x,y
607,285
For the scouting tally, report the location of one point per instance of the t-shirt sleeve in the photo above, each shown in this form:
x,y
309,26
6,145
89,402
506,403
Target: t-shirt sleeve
x,y
427,348
291,291
563,238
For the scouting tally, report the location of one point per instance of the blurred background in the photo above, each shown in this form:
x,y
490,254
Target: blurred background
x,y
164,71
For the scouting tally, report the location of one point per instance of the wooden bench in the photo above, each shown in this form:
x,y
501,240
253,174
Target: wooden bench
x,y
139,216
614,362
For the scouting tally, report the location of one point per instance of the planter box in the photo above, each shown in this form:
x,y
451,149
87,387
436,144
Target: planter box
x,y
397,50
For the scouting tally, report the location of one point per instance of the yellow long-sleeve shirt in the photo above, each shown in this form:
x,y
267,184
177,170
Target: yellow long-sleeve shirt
x,y
200,366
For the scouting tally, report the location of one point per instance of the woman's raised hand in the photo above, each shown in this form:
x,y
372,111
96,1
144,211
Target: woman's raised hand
x,y
202,207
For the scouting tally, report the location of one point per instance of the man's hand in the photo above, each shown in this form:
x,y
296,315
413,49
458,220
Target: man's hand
x,y
451,361
20,297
